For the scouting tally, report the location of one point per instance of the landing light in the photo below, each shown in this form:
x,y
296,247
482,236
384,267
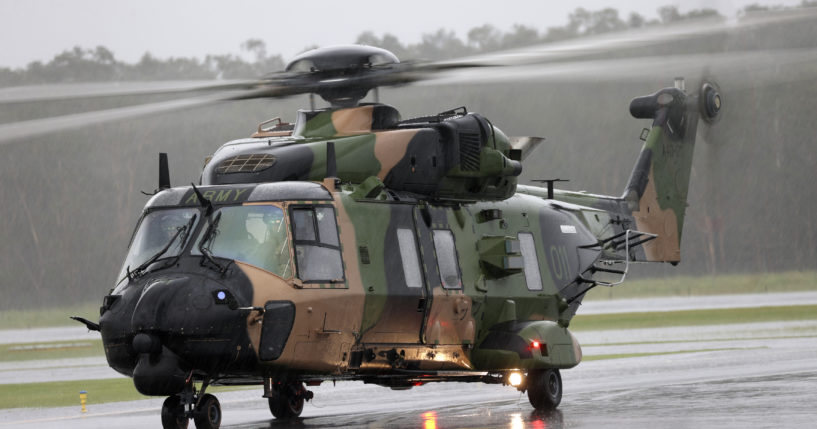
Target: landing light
x,y
515,379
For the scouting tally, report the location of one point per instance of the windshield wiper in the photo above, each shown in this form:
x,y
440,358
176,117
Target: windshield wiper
x,y
140,270
211,232
188,229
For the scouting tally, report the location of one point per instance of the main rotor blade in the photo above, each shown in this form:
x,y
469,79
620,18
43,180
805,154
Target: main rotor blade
x,y
55,92
720,51
734,70
16,131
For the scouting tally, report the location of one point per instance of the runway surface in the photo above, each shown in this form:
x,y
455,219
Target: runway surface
x,y
753,374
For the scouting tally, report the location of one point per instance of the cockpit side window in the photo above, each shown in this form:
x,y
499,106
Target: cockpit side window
x,y
317,247
304,221
252,234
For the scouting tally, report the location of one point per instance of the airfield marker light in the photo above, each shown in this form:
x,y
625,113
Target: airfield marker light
x,y
515,379
83,399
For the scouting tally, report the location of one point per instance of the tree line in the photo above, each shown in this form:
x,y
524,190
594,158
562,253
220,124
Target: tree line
x,y
101,65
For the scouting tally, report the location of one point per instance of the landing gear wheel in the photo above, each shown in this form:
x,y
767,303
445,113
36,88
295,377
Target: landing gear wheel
x,y
173,413
545,389
284,407
288,401
207,414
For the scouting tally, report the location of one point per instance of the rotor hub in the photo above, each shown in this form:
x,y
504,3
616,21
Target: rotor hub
x,y
343,75
711,102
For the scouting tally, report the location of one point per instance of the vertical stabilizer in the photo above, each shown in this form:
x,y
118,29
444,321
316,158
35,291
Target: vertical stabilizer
x,y
657,191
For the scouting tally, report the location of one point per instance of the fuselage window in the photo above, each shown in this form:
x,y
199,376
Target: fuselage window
x,y
532,276
408,254
317,249
447,259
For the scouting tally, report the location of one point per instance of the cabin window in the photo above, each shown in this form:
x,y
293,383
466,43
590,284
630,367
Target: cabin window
x,y
317,249
447,259
532,276
408,254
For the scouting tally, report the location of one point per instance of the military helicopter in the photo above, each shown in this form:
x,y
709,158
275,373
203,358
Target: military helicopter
x,y
353,244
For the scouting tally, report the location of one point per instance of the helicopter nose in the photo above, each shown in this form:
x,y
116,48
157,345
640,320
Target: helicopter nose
x,y
183,305
180,323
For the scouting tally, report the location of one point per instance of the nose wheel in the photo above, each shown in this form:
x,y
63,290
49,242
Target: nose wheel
x,y
204,409
207,414
173,414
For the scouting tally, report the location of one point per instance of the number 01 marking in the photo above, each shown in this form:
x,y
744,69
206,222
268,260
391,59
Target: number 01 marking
x,y
558,262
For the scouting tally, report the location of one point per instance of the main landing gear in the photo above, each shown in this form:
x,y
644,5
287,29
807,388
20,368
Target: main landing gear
x,y
544,389
286,400
204,409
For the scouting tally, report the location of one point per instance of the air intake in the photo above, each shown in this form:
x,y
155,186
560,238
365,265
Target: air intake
x,y
469,151
252,163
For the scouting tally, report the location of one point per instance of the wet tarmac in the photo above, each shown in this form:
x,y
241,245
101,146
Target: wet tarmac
x,y
757,375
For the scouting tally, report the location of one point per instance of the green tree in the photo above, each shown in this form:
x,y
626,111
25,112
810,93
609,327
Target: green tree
x,y
520,36
442,44
484,38
636,20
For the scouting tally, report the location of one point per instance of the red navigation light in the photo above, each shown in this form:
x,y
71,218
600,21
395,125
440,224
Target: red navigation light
x,y
534,344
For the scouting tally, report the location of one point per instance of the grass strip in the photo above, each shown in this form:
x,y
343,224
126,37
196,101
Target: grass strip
x,y
630,355
598,322
66,393
702,340
787,281
41,318
51,350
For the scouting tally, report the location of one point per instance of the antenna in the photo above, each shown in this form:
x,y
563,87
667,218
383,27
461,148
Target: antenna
x,y
331,180
164,172
549,185
331,162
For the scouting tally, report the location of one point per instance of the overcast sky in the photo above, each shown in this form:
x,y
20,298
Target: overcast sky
x,y
38,29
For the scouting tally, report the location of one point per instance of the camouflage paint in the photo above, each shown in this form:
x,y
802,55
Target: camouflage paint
x,y
389,148
463,158
445,173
